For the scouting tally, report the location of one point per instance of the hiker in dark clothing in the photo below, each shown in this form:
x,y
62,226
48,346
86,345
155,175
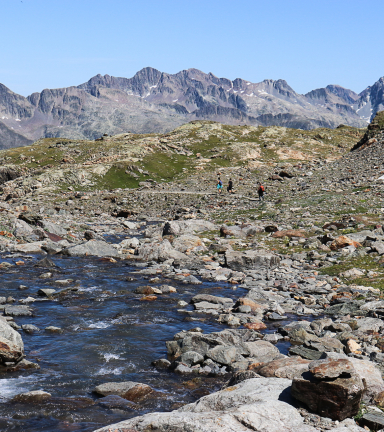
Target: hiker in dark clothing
x,y
260,192
230,186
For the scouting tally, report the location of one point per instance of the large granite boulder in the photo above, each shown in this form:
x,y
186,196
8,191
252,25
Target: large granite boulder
x,y
330,388
11,344
257,405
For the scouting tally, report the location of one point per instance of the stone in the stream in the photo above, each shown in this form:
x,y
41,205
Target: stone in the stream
x,y
183,369
45,275
191,280
167,289
330,388
45,262
207,306
30,248
11,343
130,390
91,248
250,260
211,299
63,282
30,328
53,329
161,364
53,248
116,402
22,287
35,396
258,325
17,311
147,290
46,292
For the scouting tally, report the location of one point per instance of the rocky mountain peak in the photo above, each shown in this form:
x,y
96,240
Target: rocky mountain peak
x,y
348,95
155,101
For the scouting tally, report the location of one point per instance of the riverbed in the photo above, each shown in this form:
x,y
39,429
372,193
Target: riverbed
x,y
109,334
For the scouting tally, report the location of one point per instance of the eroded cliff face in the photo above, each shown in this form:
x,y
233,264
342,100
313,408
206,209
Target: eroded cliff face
x,y
154,101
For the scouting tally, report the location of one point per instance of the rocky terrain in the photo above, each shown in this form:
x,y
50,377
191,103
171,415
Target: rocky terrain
x,y
301,345
154,101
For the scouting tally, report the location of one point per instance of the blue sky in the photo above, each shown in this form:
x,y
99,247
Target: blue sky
x,y
59,43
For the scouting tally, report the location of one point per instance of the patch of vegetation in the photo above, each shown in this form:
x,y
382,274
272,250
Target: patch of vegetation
x,y
365,262
116,177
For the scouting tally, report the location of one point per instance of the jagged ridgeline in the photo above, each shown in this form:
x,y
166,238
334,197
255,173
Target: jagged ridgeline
x,y
157,102
191,151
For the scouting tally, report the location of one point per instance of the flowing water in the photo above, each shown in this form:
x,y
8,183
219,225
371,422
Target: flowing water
x,y
109,335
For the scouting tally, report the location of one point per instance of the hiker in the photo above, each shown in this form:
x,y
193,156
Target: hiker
x,y
260,191
230,186
219,185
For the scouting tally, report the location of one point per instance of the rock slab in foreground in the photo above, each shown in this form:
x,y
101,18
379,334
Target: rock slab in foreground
x,y
257,405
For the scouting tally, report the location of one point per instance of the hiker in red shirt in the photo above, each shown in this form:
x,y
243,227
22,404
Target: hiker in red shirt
x,y
260,191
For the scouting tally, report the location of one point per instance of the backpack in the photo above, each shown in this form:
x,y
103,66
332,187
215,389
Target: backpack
x,y
220,183
262,188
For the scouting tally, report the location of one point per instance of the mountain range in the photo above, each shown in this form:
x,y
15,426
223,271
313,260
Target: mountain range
x,y
154,101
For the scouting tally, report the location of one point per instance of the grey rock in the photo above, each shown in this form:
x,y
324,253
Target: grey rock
x,y
130,390
161,364
211,299
11,343
30,328
53,329
53,228
91,248
183,369
250,260
116,402
17,311
257,405
46,292
34,396
191,358
262,351
223,355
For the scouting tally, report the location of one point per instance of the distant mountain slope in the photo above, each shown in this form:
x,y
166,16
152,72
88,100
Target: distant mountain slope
x,y
154,101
